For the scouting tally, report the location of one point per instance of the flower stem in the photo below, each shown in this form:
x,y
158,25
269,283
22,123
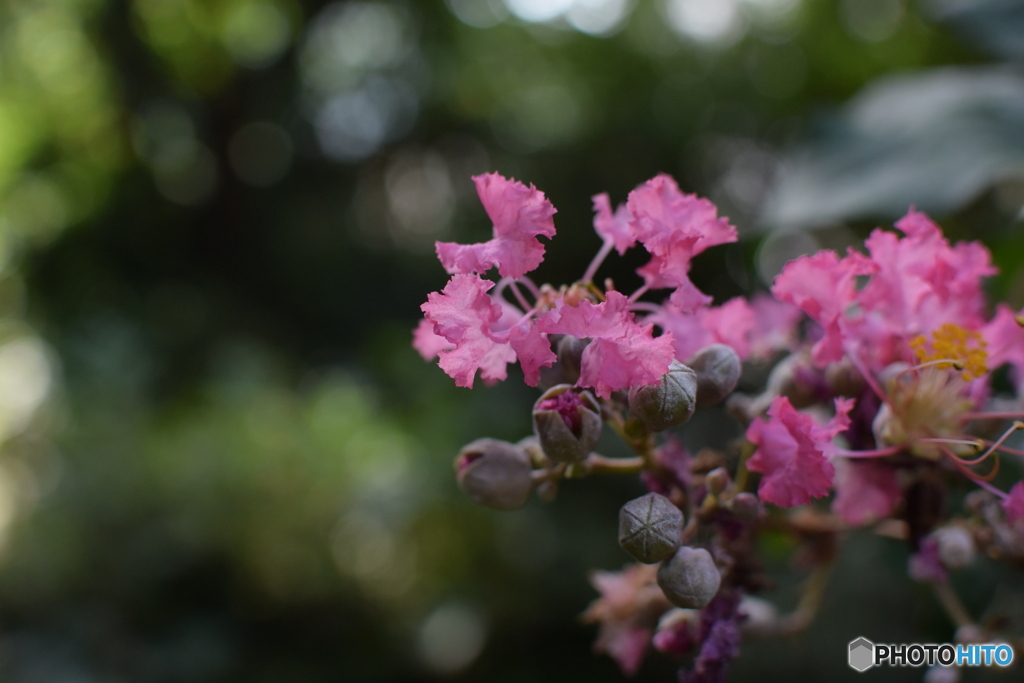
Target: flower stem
x,y
599,464
606,249
951,603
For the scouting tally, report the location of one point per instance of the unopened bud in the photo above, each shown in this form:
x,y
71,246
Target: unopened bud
x,y
718,371
941,674
567,422
494,473
956,546
669,403
745,505
570,354
717,480
650,528
689,578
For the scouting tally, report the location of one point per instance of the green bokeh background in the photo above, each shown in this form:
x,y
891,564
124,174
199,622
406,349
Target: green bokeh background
x,y
222,461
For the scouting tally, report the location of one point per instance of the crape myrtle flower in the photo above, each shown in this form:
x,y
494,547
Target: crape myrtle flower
x,y
793,453
519,214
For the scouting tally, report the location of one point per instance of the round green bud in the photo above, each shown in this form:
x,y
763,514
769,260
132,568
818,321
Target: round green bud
x,y
650,528
667,404
570,356
689,578
718,371
567,423
494,473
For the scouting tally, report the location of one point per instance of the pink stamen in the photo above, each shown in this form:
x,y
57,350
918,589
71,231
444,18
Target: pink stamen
x,y
567,404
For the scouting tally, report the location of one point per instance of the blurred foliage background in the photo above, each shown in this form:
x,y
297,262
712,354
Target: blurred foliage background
x,y
222,460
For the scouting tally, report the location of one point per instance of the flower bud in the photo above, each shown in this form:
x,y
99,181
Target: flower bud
x,y
717,480
570,355
689,578
956,546
494,473
650,528
745,505
567,422
718,371
669,403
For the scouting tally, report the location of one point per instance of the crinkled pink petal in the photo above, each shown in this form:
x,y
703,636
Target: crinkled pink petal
x,y
674,227
533,350
921,281
866,491
1014,504
662,213
792,452
1004,338
463,314
775,325
427,342
519,215
613,226
823,286
622,354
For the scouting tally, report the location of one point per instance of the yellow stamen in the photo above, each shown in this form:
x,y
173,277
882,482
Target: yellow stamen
x,y
953,346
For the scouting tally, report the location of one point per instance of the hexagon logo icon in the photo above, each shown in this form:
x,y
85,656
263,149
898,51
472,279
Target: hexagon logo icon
x,y
862,654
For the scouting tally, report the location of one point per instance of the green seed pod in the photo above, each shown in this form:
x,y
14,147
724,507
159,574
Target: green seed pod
x,y
494,473
689,578
650,528
718,371
567,423
669,403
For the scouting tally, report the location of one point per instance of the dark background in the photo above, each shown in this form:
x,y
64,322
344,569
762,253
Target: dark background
x,y
222,461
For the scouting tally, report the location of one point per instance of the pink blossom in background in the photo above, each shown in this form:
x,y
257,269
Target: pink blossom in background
x,y
613,226
866,490
1004,337
731,324
792,452
1013,505
519,215
823,286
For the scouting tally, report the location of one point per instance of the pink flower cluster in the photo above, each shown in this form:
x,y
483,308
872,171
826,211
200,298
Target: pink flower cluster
x,y
471,327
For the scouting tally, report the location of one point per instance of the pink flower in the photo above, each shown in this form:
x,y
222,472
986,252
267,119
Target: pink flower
x,y
1004,336
627,611
662,214
622,354
823,286
674,227
464,315
792,452
732,324
429,344
775,325
1014,504
519,214
921,280
613,226
866,491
